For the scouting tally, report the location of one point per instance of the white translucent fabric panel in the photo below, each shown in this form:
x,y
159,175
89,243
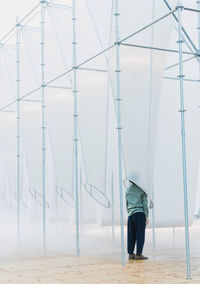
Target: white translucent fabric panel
x,y
134,16
93,88
30,59
168,166
59,107
58,42
139,108
32,140
8,74
8,135
87,15
112,215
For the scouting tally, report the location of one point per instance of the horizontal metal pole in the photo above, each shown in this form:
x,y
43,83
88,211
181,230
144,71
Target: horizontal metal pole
x,y
148,26
192,10
25,27
176,78
32,101
8,111
54,5
92,69
7,45
58,87
157,48
176,64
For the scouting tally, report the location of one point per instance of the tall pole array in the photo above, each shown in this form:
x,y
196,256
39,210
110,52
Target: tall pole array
x,y
75,127
119,128
182,112
43,3
18,128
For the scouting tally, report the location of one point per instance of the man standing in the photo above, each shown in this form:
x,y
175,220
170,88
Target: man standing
x,y
137,209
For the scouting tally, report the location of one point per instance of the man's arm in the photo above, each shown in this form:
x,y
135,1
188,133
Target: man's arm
x,y
145,206
126,203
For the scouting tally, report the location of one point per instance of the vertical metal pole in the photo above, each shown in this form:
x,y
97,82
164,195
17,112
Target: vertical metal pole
x,y
43,2
75,127
149,156
173,231
18,128
182,111
113,216
81,193
198,29
119,128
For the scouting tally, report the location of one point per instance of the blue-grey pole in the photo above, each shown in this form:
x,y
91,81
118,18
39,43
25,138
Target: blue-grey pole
x,y
18,128
198,29
43,7
150,127
81,193
75,127
113,216
119,128
182,111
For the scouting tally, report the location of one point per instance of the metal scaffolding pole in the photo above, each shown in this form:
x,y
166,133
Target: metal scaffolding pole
x,y
119,128
198,29
113,213
18,127
182,111
150,128
43,3
75,127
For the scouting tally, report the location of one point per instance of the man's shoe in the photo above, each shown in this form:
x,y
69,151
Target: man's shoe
x,y
131,256
140,257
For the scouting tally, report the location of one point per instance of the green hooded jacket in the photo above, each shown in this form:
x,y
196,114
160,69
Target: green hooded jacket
x,y
136,200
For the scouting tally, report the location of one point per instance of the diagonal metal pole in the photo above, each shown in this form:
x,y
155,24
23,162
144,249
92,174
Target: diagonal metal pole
x,y
18,128
182,28
75,127
182,112
119,128
43,7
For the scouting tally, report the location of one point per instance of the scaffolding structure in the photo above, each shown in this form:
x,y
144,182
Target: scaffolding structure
x,y
183,37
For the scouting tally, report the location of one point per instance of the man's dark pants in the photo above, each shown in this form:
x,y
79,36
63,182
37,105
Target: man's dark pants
x,y
136,232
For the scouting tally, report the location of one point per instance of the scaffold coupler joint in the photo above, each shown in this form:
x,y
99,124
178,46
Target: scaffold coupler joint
x,y
180,7
181,76
117,43
182,110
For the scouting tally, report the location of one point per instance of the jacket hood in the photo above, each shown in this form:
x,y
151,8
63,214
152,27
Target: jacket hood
x,y
135,178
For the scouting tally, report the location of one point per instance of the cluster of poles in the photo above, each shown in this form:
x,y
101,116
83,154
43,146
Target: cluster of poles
x,y
182,36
